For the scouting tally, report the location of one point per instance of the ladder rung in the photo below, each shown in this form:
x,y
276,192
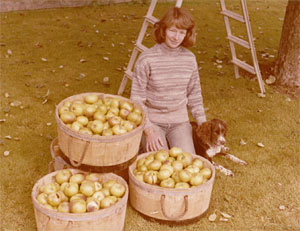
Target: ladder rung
x,y
151,19
233,15
129,74
244,65
140,47
239,41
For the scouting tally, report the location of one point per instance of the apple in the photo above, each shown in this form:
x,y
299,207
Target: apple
x,y
68,117
78,206
185,175
63,176
87,188
154,165
98,115
135,117
169,160
126,105
50,188
196,179
91,98
64,207
76,126
161,155
42,198
167,167
177,165
167,183
114,120
99,195
105,191
123,113
107,101
83,120
77,108
109,114
97,126
139,176
77,178
150,157
63,196
63,109
128,125
71,189
54,199
114,110
205,172
96,177
175,151
150,177
67,104
109,183
115,102
186,158
102,108
197,162
176,177
163,174
49,206
63,185
118,130
89,110
92,204
78,196
140,162
106,202
142,168
192,169
86,131
117,190
137,110
107,132
183,185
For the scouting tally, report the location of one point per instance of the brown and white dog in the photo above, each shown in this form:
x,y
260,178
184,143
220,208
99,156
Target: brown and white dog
x,y
209,140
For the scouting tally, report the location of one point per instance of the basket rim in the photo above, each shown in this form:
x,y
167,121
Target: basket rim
x,y
95,138
170,191
87,216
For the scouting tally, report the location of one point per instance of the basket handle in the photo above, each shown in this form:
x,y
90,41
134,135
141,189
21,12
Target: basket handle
x,y
73,163
162,201
51,166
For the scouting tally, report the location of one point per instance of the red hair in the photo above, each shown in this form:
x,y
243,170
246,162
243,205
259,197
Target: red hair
x,y
182,19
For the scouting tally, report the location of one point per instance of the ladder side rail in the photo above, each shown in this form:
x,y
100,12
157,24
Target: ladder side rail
x,y
178,3
252,47
231,44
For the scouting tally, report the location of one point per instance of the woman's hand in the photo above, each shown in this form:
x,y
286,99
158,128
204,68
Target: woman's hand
x,y
153,140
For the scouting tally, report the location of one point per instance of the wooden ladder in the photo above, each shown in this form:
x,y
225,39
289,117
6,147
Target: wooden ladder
x,y
139,47
247,44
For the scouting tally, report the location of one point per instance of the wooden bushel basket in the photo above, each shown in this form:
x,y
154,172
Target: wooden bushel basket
x,y
111,218
170,204
98,150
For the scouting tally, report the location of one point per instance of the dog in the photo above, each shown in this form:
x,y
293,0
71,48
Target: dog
x,y
209,140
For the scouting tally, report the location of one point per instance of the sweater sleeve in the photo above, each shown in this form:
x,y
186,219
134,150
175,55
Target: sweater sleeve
x,y
195,99
139,83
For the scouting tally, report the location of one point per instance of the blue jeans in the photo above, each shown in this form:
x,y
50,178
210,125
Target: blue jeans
x,y
174,135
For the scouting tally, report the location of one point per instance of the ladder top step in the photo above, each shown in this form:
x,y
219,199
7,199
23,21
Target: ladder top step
x,y
244,65
233,15
151,19
239,41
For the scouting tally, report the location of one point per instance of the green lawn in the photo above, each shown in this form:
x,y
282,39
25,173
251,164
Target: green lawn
x,y
40,66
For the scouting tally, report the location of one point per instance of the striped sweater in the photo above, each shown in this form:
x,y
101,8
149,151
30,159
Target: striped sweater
x,y
166,83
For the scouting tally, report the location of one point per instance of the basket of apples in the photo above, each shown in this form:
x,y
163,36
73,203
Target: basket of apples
x,y
176,184
71,199
99,129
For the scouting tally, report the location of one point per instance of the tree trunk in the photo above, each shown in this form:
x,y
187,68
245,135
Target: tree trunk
x,y
287,67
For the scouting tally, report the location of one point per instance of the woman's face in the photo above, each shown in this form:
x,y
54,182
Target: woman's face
x,y
174,36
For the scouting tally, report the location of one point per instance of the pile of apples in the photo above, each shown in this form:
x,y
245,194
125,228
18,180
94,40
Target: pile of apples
x,y
172,169
105,117
79,192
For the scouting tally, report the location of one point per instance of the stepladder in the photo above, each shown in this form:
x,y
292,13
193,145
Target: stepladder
x,y
150,19
244,18
139,47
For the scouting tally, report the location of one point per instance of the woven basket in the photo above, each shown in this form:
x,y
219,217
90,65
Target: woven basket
x,y
98,150
111,218
170,204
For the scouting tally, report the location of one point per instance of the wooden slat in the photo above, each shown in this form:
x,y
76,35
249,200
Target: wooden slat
x,y
129,74
151,19
239,41
244,65
233,15
140,47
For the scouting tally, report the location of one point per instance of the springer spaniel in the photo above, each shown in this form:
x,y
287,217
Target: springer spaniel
x,y
209,140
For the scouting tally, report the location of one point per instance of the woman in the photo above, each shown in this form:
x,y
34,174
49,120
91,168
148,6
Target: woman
x,y
166,83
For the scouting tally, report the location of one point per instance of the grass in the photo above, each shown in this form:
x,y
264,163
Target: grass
x,y
262,196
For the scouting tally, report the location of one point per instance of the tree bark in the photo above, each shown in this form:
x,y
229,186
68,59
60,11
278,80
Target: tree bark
x,y
287,67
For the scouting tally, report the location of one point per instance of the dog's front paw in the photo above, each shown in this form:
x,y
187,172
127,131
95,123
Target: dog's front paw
x,y
242,162
228,172
225,149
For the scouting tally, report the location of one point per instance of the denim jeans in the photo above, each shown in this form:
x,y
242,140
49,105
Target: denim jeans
x,y
174,135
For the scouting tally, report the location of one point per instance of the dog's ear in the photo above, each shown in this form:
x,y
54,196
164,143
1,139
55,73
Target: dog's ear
x,y
224,124
204,132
